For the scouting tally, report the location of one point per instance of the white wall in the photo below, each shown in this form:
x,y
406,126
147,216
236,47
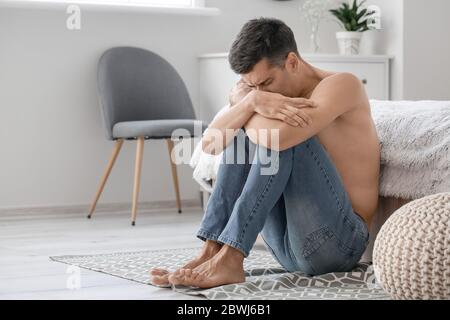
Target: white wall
x,y
389,40
416,33
427,50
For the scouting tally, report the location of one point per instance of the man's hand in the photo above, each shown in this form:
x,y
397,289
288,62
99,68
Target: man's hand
x,y
273,105
238,92
276,106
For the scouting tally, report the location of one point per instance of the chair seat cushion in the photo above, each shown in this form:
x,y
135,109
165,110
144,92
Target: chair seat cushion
x,y
159,129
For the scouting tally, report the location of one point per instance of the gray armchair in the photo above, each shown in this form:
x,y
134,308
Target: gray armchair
x,y
142,97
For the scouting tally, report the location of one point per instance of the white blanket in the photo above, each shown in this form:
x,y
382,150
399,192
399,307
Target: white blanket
x,y
415,149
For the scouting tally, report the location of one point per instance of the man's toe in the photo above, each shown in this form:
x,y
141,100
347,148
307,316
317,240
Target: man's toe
x,y
189,278
160,280
176,278
158,272
198,278
187,273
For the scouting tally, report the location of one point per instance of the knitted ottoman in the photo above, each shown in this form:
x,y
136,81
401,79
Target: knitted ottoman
x,y
411,257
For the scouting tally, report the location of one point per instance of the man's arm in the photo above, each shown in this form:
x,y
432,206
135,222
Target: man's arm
x,y
334,96
244,103
223,128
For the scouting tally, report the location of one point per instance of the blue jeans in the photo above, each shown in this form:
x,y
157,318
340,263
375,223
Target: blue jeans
x,y
296,200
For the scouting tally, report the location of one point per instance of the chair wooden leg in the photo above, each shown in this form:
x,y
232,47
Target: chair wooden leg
x,y
174,174
111,162
137,177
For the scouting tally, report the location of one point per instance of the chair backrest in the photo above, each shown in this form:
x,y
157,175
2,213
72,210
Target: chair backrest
x,y
136,84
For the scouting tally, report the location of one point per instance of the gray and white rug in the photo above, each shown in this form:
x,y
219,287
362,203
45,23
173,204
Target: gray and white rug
x,y
265,278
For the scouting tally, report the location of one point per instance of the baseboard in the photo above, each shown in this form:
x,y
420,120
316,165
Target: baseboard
x,y
104,207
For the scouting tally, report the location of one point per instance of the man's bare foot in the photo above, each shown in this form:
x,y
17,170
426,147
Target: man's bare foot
x,y
209,250
226,267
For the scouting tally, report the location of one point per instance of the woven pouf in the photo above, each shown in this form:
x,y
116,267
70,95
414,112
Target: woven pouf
x,y
411,256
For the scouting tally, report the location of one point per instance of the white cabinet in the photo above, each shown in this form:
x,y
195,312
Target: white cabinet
x,y
372,70
217,79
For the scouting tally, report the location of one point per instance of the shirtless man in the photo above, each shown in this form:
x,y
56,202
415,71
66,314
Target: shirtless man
x,y
314,213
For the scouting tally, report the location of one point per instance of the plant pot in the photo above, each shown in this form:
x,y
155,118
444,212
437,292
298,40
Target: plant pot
x,y
348,42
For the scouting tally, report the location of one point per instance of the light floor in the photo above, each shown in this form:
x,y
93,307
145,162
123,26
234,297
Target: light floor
x,y
28,239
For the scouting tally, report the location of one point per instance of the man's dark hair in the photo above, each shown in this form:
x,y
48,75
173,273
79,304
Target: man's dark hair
x,y
261,38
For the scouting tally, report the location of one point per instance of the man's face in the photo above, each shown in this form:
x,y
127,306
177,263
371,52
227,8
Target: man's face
x,y
270,78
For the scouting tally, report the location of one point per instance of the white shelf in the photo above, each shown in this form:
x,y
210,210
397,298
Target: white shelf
x,y
346,58
24,4
318,57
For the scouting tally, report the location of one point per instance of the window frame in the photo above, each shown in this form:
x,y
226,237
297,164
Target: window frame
x,y
197,8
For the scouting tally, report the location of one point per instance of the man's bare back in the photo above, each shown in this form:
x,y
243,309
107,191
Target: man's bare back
x,y
352,143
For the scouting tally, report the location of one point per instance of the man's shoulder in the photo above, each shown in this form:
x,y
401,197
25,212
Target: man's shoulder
x,y
342,88
337,82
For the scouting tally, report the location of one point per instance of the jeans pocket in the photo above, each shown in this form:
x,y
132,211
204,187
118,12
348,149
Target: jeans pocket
x,y
324,252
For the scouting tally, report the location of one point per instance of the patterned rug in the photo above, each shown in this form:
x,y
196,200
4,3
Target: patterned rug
x,y
265,278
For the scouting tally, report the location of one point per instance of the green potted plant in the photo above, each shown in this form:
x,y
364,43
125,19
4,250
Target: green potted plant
x,y
355,20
